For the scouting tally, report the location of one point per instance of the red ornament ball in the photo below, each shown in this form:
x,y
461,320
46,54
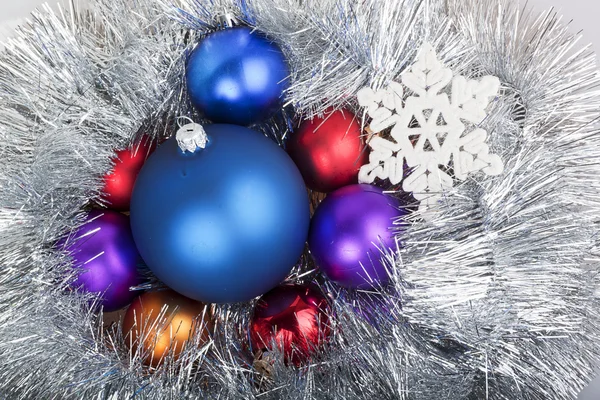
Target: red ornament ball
x,y
294,318
118,184
329,151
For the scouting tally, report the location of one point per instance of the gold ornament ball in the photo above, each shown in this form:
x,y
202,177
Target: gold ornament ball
x,y
160,325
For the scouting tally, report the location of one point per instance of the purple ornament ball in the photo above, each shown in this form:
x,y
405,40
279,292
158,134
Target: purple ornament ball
x,y
349,230
104,251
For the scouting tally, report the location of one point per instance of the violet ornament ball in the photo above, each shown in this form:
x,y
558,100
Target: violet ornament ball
x,y
105,253
348,233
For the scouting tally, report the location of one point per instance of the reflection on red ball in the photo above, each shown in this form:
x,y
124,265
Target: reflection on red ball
x,y
294,318
118,184
329,151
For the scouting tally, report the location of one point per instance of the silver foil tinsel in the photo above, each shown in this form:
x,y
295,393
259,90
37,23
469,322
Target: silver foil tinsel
x,y
494,298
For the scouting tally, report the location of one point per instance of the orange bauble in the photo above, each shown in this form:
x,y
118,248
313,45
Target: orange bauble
x,y
159,325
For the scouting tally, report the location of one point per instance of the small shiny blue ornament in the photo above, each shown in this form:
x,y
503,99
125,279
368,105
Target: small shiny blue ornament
x,y
237,76
220,224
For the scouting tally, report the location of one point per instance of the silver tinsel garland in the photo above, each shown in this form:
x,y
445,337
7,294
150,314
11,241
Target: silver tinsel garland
x,y
495,298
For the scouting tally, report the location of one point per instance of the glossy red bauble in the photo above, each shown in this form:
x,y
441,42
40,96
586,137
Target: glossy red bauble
x,y
329,151
292,317
118,184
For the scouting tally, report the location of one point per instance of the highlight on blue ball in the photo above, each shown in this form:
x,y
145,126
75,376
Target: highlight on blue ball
x,y
224,224
237,76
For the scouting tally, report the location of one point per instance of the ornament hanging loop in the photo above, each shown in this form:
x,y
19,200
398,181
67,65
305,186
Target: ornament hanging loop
x,y
190,137
226,19
230,20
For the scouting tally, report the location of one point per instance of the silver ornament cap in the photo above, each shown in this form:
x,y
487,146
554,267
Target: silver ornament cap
x,y
191,138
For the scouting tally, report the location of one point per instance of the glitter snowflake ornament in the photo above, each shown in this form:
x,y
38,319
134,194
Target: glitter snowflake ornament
x,y
434,134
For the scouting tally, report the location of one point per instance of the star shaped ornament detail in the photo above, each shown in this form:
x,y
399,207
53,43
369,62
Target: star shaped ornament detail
x,y
435,136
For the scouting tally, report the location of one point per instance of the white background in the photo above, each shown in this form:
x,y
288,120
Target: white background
x,y
582,15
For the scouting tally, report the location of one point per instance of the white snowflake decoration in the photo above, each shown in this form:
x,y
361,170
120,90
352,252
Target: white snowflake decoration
x,y
428,129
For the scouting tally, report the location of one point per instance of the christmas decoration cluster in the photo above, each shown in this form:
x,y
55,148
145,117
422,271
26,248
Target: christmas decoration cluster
x,y
271,199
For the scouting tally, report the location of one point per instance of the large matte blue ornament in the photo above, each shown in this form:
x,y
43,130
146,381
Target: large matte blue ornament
x,y
224,224
237,76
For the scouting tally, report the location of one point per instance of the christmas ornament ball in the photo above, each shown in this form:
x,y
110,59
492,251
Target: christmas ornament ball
x,y
237,76
105,253
329,150
348,232
222,224
118,184
158,325
294,318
